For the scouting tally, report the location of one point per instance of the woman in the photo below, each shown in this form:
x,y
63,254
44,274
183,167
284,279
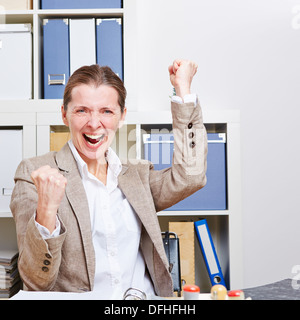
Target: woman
x,y
84,220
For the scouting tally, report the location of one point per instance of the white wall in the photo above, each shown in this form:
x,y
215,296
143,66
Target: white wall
x,y
248,53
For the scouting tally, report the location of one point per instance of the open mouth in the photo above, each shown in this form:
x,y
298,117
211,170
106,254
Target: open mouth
x,y
93,140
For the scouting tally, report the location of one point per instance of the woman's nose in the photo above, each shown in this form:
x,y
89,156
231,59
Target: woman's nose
x,y
94,121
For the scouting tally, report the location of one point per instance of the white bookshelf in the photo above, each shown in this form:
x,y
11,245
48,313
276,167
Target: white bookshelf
x,y
37,116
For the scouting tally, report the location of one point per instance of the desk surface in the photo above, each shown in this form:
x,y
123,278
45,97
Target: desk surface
x,y
281,290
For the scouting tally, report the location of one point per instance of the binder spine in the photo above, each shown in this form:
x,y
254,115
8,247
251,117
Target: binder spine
x,y
209,253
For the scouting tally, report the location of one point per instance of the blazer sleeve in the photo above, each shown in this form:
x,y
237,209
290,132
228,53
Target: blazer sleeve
x,y
188,171
39,259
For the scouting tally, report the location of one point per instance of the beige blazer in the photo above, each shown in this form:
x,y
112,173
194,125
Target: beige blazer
x,y
67,262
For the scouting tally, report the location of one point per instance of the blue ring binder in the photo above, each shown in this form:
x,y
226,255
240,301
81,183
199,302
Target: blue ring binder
x,y
209,253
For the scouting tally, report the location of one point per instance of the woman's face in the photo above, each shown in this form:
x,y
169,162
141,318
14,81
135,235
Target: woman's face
x,y
93,117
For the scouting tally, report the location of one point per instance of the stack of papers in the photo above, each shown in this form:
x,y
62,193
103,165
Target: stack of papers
x,y
10,282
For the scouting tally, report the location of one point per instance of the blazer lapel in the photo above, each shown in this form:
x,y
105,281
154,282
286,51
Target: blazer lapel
x,y
76,196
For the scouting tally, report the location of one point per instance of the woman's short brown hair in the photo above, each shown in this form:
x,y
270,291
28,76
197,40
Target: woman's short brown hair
x,y
97,76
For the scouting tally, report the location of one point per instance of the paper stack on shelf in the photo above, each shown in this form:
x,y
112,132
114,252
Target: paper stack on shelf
x,y
10,282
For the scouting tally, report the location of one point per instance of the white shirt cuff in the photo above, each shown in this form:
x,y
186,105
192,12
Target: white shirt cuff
x,y
188,98
45,233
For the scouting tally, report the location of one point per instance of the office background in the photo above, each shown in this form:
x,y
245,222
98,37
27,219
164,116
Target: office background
x,y
248,55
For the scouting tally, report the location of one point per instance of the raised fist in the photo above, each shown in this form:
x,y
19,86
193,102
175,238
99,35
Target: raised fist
x,y
50,185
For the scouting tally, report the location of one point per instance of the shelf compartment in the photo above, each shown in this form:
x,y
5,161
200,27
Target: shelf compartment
x,y
218,226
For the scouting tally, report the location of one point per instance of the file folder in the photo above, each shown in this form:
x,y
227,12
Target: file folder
x,y
209,253
109,35
186,235
82,43
58,140
56,57
81,4
159,147
9,161
16,4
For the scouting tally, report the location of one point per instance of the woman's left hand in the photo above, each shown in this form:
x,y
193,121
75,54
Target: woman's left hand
x,y
181,76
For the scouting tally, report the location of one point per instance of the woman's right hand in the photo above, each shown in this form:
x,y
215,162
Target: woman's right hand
x,y
50,185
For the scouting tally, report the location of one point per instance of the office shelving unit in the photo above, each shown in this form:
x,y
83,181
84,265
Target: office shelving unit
x,y
36,16
37,117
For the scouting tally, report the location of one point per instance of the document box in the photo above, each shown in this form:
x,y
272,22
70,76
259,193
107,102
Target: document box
x,y
11,155
158,148
15,61
109,37
80,4
56,56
